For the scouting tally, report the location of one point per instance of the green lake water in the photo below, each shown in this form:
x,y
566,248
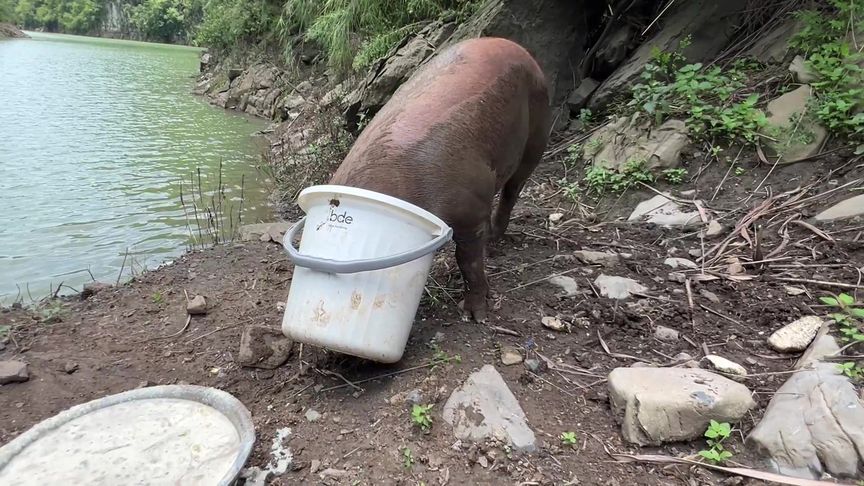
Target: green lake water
x,y
95,138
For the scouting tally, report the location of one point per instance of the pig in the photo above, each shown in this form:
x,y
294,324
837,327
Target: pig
x,y
471,123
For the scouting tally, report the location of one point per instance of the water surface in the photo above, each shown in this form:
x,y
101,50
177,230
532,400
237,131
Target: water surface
x,y
95,137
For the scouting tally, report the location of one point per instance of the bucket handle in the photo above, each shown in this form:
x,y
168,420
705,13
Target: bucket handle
x,y
356,266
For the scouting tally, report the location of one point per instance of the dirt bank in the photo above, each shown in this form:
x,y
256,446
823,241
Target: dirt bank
x,y
10,31
134,336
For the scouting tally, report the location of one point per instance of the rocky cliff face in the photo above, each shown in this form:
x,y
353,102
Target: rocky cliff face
x,y
9,31
115,21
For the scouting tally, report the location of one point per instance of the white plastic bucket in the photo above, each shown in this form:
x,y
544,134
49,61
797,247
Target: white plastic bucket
x,y
360,270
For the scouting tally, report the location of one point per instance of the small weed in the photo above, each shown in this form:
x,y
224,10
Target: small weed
x,y
568,438
585,116
51,311
157,298
4,332
600,179
570,189
440,356
592,147
715,151
717,432
739,171
421,417
407,458
574,155
675,176
851,369
849,316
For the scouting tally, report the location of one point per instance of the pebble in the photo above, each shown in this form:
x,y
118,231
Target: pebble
x,y
13,372
695,253
70,368
796,336
567,284
795,291
597,257
714,228
312,415
533,365
618,288
555,217
197,306
510,355
554,324
666,334
314,466
673,262
724,365
711,296
677,277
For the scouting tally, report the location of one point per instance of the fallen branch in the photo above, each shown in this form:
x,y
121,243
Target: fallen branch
x,y
819,282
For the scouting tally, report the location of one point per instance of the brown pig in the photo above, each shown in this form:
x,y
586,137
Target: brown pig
x,y
472,122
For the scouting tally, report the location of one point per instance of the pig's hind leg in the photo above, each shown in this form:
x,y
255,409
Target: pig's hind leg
x,y
513,187
471,256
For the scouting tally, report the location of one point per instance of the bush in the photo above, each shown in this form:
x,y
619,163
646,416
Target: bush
x,y
74,16
226,23
7,11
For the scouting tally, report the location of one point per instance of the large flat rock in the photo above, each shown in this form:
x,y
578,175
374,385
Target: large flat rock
x,y
484,407
659,405
846,209
665,212
264,231
815,422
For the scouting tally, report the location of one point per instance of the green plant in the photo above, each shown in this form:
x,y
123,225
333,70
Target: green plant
x,y
600,179
421,417
739,171
4,331
705,97
157,298
675,176
586,116
574,154
716,433
848,316
568,438
407,458
851,369
440,357
51,311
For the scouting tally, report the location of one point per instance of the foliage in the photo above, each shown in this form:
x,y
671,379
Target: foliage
x,y
600,179
421,417
336,25
851,369
407,458
164,20
568,438
72,16
706,97
675,175
717,432
4,331
227,23
835,64
849,316
7,11
157,298
51,311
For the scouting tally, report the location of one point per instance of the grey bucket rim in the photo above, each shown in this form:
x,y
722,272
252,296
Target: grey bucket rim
x,y
220,400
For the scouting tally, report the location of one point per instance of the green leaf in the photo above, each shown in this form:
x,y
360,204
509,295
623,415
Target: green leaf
x,y
711,455
856,311
846,299
829,301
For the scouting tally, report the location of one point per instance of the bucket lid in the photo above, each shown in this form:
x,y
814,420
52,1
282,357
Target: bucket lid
x,y
310,195
159,435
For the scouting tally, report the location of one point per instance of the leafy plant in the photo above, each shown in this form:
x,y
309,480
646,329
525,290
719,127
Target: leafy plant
x,y
407,458
848,316
51,311
586,116
705,97
739,171
851,369
600,179
675,176
568,438
440,356
4,331
421,417
716,433
157,298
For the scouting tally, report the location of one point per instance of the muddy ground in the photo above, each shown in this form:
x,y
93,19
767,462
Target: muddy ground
x,y
129,337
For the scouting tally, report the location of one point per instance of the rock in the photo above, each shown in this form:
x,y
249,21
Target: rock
x,y
597,257
555,217
567,284
253,232
710,25
533,365
314,466
679,263
634,139
263,347
658,405
13,372
734,267
801,72
796,336
665,212
695,253
797,136
711,296
618,287
723,365
485,408
666,334
234,73
846,209
579,97
334,473
813,424
794,291
312,415
614,49
677,277
414,397
554,324
714,229
11,31
92,288
197,305
510,356
70,368
773,46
